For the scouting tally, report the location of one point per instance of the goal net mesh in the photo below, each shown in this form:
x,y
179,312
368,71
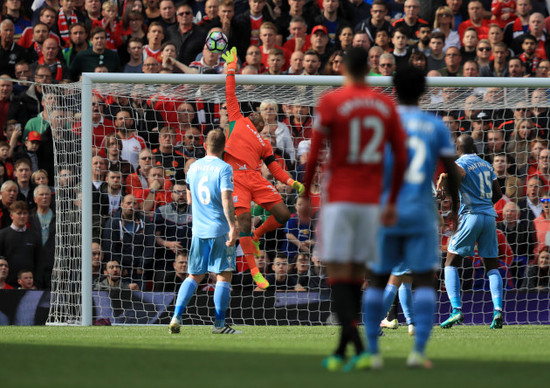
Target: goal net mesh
x,y
148,234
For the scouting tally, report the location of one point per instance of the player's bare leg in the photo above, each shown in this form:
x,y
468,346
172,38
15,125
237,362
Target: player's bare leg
x,y
278,218
495,284
249,249
452,284
345,280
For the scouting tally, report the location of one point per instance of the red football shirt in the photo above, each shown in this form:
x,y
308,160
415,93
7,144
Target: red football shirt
x,y
357,122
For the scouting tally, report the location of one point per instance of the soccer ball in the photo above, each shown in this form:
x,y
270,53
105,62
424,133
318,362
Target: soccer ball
x,y
216,42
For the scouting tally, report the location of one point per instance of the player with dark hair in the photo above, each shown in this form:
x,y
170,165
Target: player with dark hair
x,y
357,123
412,244
245,150
210,182
479,190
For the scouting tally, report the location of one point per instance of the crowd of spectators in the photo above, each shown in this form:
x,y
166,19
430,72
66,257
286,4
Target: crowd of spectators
x,y
142,146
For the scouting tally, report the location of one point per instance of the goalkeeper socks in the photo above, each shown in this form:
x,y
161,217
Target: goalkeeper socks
x,y
389,296
249,249
270,224
221,301
452,284
373,309
186,291
495,283
424,309
406,300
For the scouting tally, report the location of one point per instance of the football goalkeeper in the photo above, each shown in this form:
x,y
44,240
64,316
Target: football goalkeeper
x,y
245,149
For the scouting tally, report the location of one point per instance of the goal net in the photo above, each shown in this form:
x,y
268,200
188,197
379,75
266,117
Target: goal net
x,y
137,234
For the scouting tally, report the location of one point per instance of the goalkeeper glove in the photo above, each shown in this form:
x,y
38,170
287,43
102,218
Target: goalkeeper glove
x,y
230,58
299,187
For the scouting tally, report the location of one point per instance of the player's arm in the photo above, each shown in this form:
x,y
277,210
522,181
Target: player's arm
x,y
281,175
452,180
229,212
497,192
233,108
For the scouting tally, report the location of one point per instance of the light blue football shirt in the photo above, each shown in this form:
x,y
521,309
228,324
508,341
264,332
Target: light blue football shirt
x,y
427,139
476,189
207,178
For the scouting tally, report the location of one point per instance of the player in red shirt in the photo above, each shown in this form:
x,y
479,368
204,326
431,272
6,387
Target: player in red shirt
x,y
245,150
357,122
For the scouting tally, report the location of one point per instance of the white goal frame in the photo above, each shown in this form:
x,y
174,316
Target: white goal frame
x,y
88,79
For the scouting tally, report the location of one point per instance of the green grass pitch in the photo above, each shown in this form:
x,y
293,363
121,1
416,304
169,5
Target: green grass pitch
x,y
517,356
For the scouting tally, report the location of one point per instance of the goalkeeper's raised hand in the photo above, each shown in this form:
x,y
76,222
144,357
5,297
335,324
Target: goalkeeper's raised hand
x,y
230,58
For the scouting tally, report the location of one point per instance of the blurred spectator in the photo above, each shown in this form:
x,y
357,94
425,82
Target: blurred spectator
x,y
296,63
29,103
387,64
307,10
248,25
536,29
436,57
299,40
132,143
253,58
88,60
113,190
345,39
170,281
50,51
113,149
299,231
33,39
97,261
209,63
510,184
193,142
152,10
376,21
22,173
280,279
128,238
383,40
25,279
423,43
172,227
410,23
155,36
138,180
113,279
528,54
157,193
361,39
308,276
168,156
4,272
19,244
135,50
520,234
150,65
484,53
300,123
320,43
6,99
475,20
401,50
188,37
542,224
42,219
374,60
8,195
66,16
312,63
538,275
134,26
10,53
531,206
275,61
469,44
496,35
167,11
268,33
539,110
445,22
147,120
498,66
269,112
516,67
29,150
453,59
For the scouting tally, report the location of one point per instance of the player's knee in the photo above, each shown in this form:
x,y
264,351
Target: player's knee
x,y
378,281
281,214
453,260
426,279
245,225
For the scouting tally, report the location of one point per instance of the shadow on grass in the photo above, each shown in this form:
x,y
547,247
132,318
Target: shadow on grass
x,y
83,366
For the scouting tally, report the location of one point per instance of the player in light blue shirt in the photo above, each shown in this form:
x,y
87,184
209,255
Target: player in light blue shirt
x,y
479,190
412,243
210,192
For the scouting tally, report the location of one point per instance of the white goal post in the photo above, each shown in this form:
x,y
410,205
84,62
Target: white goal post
x,y
308,88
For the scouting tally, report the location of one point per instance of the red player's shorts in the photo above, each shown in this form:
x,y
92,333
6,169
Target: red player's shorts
x,y
251,186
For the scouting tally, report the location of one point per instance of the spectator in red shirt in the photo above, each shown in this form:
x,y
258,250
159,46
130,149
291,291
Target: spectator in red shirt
x,y
475,12
4,271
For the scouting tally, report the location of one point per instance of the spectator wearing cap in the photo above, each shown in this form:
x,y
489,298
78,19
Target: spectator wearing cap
x,y
330,20
29,149
320,44
480,125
